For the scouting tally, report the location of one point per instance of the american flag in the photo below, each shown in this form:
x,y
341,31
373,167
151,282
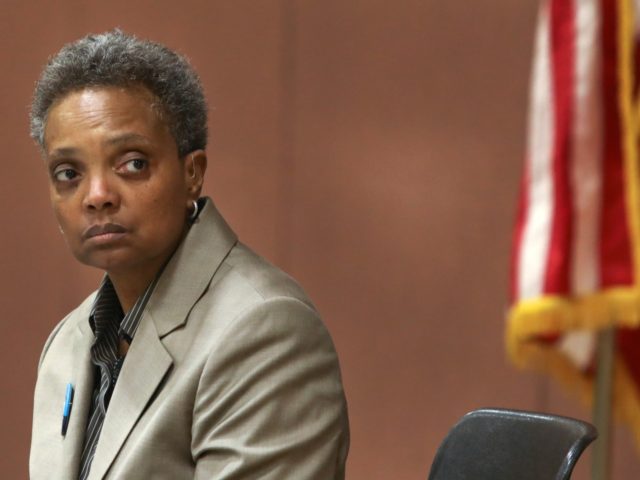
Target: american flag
x,y
576,259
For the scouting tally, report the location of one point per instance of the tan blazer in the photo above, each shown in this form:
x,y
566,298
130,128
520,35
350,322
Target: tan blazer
x,y
231,375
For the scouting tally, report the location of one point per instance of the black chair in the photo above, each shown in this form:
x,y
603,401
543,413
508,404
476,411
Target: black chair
x,y
497,444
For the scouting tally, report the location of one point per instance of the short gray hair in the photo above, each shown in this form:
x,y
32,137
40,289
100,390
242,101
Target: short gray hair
x,y
121,60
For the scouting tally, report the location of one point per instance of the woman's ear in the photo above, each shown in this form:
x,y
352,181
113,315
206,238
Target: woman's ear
x,y
195,166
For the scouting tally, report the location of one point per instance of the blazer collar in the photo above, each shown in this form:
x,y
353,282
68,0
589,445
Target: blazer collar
x,y
189,272
183,281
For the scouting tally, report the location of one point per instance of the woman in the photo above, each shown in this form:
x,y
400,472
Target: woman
x,y
195,358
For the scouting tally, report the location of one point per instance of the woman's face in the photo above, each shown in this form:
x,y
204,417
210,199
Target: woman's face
x,y
119,190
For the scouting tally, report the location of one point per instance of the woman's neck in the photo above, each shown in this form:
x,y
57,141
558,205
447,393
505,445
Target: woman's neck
x,y
129,286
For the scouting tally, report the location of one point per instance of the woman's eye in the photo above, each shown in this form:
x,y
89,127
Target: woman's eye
x,y
135,165
65,174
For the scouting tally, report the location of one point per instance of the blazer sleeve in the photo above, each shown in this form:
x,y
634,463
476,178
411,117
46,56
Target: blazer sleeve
x,y
270,402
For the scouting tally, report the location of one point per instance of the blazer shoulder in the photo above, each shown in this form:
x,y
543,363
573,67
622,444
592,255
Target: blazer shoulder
x,y
264,279
70,319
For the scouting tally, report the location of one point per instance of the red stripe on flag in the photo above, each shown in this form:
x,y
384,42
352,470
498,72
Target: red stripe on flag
x,y
636,65
563,60
616,267
627,347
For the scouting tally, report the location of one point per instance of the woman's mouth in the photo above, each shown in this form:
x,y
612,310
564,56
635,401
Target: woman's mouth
x,y
104,232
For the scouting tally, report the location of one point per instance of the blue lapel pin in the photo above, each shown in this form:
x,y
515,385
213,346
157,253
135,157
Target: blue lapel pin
x,y
66,411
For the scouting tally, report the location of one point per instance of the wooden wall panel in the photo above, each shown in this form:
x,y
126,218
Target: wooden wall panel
x,y
409,133
398,200
370,148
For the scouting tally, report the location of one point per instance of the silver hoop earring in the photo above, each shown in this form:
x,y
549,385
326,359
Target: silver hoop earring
x,y
194,214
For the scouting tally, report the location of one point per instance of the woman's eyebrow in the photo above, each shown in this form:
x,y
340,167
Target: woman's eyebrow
x,y
116,140
62,152
126,138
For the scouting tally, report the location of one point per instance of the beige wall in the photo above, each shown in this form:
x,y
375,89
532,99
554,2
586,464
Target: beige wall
x,y
378,145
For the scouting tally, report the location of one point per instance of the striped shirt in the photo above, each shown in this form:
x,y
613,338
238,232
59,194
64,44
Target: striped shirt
x,y
109,325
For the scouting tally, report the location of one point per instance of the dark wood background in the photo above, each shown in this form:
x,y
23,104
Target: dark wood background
x,y
370,148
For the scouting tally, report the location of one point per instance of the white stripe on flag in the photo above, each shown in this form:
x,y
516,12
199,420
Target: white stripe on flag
x,y
536,235
586,172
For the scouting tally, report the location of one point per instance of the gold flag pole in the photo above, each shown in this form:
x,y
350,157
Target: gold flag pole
x,y
601,453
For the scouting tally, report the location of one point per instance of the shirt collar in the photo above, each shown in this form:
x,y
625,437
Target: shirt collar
x,y
107,309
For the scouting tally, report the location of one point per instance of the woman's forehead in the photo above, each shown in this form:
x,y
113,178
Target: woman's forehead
x,y
107,111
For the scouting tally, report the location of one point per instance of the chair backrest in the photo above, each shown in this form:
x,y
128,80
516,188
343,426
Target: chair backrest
x,y
497,444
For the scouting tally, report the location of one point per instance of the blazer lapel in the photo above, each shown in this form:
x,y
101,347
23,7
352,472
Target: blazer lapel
x,y
188,274
82,381
146,365
183,281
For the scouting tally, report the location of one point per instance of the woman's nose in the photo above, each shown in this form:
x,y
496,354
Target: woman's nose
x,y
101,194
